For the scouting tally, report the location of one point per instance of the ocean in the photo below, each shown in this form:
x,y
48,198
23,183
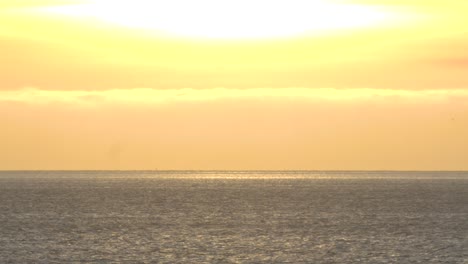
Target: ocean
x,y
233,217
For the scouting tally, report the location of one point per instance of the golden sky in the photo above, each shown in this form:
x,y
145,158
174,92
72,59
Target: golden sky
x,y
220,84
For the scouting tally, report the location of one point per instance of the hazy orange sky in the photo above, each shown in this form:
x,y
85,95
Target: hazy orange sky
x,y
205,84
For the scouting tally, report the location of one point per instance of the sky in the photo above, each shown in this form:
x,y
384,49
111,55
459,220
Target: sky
x,y
205,84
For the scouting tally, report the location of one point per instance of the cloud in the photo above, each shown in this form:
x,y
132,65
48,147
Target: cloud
x,y
155,96
453,62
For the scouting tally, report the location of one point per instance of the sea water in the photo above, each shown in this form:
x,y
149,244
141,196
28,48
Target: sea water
x,y
233,217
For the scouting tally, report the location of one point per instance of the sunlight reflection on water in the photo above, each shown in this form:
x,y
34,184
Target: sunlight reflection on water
x,y
233,217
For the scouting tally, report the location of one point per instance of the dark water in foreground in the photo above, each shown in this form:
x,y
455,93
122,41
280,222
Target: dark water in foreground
x,y
234,217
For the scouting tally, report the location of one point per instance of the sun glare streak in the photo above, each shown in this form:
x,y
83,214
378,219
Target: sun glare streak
x,y
222,19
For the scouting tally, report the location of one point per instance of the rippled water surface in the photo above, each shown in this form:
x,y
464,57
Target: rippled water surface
x,y
234,217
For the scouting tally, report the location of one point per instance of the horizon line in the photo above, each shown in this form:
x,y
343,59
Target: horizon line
x,y
221,170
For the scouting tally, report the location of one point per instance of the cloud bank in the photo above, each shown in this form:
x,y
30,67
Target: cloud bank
x,y
155,96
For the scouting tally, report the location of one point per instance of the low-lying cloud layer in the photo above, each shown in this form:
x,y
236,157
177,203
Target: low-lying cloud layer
x,y
148,96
